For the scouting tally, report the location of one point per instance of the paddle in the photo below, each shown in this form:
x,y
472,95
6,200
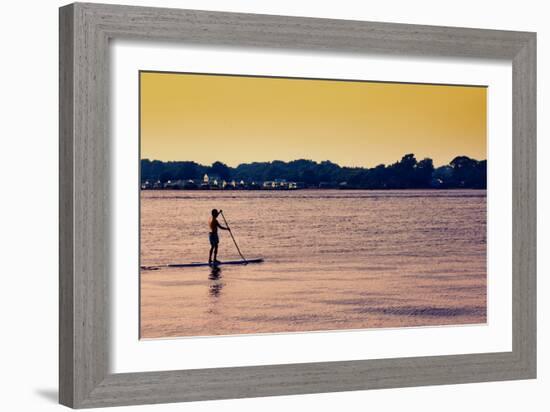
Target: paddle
x,y
233,237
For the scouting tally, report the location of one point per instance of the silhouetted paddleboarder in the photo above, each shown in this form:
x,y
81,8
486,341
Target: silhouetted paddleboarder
x,y
213,236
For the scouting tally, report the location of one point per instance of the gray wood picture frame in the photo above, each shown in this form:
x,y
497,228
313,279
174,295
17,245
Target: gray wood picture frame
x,y
85,31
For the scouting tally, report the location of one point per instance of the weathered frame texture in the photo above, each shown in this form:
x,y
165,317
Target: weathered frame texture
x,y
85,31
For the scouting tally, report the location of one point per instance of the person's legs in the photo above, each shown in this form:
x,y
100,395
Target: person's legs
x,y
210,254
214,240
216,253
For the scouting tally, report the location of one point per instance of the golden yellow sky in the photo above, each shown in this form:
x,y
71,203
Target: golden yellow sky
x,y
237,119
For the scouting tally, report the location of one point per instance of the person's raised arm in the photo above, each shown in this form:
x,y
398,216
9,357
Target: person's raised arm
x,y
222,227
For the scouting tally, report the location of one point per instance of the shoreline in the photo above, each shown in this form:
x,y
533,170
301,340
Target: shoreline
x,y
435,189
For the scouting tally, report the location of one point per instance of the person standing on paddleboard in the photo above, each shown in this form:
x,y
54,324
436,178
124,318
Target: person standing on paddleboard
x,y
213,236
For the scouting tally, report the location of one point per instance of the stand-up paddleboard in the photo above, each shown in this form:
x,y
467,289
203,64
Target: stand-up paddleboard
x,y
227,262
200,264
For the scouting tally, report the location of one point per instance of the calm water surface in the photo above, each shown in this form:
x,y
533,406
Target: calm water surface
x,y
334,259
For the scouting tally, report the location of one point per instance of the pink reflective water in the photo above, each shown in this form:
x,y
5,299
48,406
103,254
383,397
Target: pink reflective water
x,y
334,259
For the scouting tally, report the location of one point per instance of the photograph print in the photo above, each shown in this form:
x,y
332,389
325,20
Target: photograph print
x,y
280,205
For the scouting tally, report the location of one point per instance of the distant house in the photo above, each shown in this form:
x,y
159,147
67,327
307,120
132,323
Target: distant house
x,y
174,184
281,184
205,184
190,184
229,185
211,182
215,182
178,184
151,184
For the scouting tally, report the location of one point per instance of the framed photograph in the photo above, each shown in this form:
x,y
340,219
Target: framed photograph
x,y
256,205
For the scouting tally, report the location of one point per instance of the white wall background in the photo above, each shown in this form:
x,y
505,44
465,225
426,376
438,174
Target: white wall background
x,y
28,205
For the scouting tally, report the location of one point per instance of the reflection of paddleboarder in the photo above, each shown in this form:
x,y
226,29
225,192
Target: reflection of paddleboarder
x,y
216,285
213,236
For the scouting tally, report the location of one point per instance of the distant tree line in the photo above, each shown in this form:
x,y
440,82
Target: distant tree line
x,y
408,173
